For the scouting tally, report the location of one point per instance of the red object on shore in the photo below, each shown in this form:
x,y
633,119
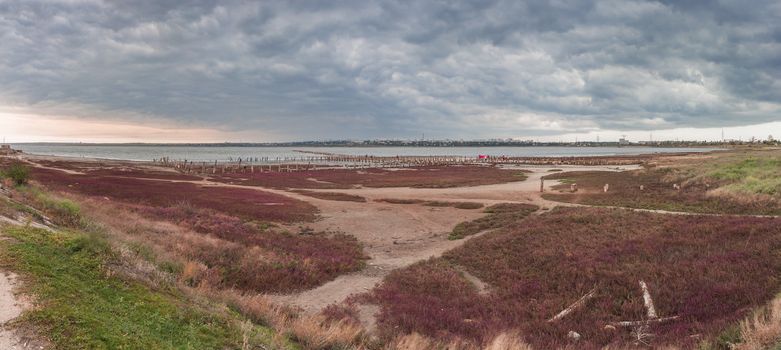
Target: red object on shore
x,y
482,156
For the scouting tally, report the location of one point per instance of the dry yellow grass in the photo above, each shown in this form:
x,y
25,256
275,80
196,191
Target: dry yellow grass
x,y
412,341
508,341
316,333
762,329
416,341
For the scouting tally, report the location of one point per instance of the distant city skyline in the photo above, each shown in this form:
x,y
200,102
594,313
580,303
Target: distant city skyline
x,y
20,130
215,71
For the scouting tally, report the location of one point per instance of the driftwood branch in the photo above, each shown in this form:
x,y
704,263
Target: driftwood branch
x,y
649,303
644,322
574,306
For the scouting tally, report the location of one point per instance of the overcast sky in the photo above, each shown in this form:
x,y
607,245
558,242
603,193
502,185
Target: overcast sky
x,y
160,70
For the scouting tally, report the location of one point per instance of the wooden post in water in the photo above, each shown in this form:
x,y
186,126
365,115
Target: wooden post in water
x,y
542,184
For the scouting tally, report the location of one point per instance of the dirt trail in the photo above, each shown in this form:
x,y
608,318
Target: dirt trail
x,y
41,166
10,308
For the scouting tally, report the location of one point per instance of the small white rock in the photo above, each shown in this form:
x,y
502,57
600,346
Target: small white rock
x,y
573,335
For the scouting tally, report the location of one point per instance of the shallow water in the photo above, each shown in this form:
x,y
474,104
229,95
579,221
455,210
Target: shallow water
x,y
212,153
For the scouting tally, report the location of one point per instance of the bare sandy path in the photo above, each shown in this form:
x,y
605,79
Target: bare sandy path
x,y
10,308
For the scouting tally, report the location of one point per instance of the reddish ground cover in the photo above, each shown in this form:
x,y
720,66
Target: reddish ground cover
x,y
658,193
70,165
457,205
258,257
143,174
422,177
499,215
227,241
115,168
710,271
246,203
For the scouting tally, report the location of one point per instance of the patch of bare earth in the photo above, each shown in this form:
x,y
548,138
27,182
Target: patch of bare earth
x,y
11,307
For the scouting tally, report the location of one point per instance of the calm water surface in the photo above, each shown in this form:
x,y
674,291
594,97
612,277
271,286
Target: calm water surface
x,y
200,153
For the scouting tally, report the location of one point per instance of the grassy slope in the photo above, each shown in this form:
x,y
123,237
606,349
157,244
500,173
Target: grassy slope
x,y
79,306
746,174
700,194
743,183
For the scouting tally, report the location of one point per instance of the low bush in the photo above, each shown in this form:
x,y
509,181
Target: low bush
x,y
64,212
61,211
18,173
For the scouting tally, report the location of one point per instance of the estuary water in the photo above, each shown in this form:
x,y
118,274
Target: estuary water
x,y
225,153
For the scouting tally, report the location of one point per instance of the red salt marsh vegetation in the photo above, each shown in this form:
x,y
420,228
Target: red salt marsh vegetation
x,y
499,215
249,204
419,177
457,205
115,168
222,237
659,192
254,256
709,271
142,173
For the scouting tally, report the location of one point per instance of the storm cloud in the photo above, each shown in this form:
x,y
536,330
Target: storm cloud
x,y
386,69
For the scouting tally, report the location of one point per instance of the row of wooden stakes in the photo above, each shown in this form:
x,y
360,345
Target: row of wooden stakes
x,y
290,164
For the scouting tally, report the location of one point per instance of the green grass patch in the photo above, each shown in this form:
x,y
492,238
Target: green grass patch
x,y
759,174
81,307
62,211
17,172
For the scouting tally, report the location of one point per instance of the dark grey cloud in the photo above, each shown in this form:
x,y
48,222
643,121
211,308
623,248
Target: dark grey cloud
x,y
314,69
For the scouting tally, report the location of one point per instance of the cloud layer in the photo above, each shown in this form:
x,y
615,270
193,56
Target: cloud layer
x,y
348,69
